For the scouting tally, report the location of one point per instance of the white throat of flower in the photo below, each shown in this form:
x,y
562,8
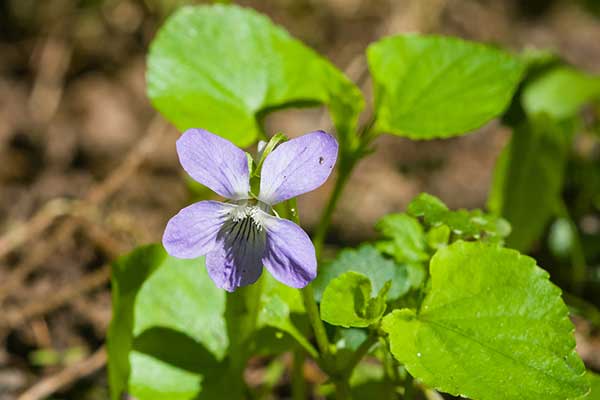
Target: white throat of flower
x,y
246,223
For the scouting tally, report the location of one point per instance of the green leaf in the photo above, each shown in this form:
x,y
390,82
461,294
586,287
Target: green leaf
x,y
368,261
560,93
278,303
594,393
407,239
428,207
347,301
436,87
222,67
438,236
464,224
491,327
159,300
537,62
528,179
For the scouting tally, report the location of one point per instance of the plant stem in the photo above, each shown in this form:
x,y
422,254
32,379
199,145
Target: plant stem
x,y
362,350
298,387
348,160
325,221
342,390
241,314
308,296
312,311
349,157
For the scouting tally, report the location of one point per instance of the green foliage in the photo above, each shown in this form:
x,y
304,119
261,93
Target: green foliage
x,y
594,393
491,327
278,303
438,236
560,93
407,239
435,87
528,178
156,302
222,67
428,207
463,224
369,262
483,322
347,301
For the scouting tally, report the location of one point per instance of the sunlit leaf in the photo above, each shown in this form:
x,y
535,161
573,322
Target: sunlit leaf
x,y
434,87
491,327
348,302
528,179
167,338
222,67
594,393
406,241
560,92
464,224
438,236
368,261
428,207
278,303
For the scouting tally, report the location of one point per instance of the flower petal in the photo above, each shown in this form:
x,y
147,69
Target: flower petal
x,y
193,231
289,254
297,166
236,258
214,162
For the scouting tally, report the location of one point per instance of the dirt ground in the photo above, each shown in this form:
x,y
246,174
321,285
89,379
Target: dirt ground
x,y
88,170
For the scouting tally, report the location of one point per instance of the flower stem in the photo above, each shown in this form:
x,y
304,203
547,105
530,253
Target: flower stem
x,y
298,386
325,221
241,315
362,350
349,157
347,162
308,296
342,390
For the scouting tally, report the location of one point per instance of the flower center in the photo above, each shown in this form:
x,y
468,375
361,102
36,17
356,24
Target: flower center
x,y
246,224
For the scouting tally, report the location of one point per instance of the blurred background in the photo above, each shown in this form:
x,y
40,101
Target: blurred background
x,y
88,170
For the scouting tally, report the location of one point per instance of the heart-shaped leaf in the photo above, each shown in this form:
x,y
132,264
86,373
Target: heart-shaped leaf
x,y
167,338
492,327
221,67
436,87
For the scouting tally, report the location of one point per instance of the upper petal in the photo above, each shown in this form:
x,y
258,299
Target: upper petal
x,y
289,254
214,162
193,231
235,260
297,166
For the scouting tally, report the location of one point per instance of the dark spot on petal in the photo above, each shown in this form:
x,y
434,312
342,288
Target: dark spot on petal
x,y
321,160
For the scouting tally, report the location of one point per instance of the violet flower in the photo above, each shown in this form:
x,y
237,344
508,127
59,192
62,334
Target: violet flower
x,y
238,237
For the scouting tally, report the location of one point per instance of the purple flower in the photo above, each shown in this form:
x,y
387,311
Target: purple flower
x,y
242,235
